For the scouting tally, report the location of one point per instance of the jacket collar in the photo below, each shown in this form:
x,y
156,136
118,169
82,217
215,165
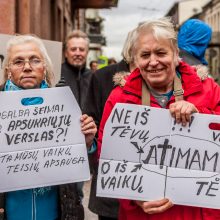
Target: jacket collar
x,y
76,69
134,83
190,81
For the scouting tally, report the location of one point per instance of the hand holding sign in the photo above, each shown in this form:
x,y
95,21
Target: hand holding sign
x,y
144,159
182,111
154,207
88,128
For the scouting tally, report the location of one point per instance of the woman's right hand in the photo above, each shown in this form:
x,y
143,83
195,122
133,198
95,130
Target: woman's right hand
x,y
88,128
154,207
182,111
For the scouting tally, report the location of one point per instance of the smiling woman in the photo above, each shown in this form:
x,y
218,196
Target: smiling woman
x,y
159,81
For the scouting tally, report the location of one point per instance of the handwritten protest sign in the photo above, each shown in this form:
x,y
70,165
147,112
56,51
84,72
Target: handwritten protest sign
x,y
147,156
41,144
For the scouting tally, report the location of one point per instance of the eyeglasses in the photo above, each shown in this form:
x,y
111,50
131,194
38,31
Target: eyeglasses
x,y
33,62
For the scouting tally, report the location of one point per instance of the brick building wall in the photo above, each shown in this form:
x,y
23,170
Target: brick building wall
x,y
48,19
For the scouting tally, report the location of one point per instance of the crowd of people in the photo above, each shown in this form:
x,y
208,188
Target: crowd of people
x,y
154,58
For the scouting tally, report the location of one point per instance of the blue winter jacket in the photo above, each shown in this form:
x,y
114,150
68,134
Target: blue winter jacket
x,y
32,204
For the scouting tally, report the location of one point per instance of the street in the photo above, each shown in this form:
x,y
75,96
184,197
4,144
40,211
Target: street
x,y
88,214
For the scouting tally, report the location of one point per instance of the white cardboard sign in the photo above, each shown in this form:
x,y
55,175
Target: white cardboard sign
x,y
41,145
147,156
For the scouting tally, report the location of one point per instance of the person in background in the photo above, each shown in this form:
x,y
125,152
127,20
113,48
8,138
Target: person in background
x,y
102,61
28,66
98,92
193,39
93,65
156,55
74,70
111,61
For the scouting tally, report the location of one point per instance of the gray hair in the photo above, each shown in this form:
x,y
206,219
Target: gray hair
x,y
77,34
161,28
21,39
127,53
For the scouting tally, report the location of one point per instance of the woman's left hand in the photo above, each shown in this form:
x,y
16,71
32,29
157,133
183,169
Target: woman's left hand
x,y
88,128
182,111
155,207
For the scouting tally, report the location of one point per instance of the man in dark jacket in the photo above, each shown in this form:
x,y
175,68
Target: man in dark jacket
x,y
74,70
99,90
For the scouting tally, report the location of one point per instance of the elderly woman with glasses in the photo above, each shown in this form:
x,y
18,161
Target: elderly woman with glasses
x,y
162,80
28,66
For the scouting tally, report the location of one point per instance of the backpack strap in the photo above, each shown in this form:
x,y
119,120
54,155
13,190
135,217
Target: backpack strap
x,y
178,89
145,98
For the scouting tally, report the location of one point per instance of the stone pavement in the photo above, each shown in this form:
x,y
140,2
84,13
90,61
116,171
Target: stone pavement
x,y
88,214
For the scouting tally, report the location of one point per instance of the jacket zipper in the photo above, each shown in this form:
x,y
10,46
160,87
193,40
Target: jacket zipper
x,y
79,86
33,205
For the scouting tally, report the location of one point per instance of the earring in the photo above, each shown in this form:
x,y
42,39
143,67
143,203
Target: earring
x,y
45,76
9,75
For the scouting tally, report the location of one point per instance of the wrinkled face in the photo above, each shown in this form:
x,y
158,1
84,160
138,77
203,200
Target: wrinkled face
x,y
26,68
76,52
157,62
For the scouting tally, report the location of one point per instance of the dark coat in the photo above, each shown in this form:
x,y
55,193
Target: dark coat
x,y
98,92
100,87
70,203
70,207
78,80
